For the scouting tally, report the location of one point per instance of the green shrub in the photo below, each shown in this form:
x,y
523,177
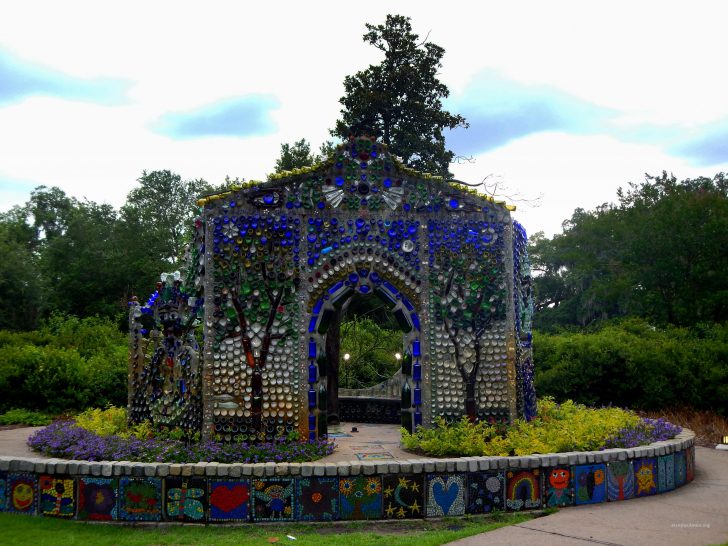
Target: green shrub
x,y
556,428
111,421
631,363
24,417
67,365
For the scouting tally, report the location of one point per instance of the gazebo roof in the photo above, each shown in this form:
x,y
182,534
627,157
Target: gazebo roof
x,y
343,178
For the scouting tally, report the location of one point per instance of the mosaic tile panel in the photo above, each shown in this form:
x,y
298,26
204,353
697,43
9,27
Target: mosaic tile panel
x,y
486,492
3,491
523,489
445,495
273,499
645,476
360,497
680,469
57,496
98,498
690,463
317,499
21,493
620,481
666,473
403,495
185,499
140,499
229,500
559,486
590,484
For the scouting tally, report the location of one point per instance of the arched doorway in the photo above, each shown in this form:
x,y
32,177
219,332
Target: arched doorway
x,y
366,282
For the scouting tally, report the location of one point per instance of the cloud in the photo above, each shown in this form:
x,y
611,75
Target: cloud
x,y
21,79
501,110
244,116
707,146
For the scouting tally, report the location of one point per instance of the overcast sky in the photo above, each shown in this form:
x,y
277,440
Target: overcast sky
x,y
566,99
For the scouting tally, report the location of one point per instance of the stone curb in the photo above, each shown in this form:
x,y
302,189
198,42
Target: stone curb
x,y
424,465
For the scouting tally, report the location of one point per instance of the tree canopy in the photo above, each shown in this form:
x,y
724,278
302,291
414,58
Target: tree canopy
x,y
659,253
84,258
299,154
399,101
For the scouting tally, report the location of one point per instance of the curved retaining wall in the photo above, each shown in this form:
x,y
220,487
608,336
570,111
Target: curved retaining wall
x,y
416,488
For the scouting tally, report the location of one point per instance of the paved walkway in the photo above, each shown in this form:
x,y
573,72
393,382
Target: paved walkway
x,y
696,514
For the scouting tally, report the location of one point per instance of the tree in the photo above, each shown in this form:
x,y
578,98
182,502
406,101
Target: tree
x,y
298,154
20,279
399,101
372,352
657,254
161,211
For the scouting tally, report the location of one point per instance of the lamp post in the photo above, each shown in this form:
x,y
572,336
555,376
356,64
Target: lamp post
x,y
346,359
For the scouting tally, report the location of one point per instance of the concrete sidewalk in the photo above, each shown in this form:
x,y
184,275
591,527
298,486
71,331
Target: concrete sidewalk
x,y
696,514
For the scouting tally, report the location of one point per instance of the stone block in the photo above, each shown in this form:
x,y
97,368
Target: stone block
x,y
270,469
282,469
484,463
368,468
319,469
294,469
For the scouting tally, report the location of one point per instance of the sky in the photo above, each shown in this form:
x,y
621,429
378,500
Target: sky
x,y
567,101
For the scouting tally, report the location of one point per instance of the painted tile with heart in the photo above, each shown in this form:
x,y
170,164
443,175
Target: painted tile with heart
x,y
445,495
229,500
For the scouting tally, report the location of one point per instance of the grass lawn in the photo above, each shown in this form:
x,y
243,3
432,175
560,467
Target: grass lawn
x,y
39,531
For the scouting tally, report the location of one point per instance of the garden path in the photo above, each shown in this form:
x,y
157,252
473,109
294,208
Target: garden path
x,y
696,514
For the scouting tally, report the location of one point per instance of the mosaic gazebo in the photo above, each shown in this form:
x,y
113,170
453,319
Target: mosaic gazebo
x,y
234,347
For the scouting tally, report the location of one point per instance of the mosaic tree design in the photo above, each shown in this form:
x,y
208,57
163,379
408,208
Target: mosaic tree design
x,y
472,293
271,264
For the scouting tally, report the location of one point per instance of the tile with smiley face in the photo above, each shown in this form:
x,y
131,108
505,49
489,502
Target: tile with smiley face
x,y
645,476
559,486
22,493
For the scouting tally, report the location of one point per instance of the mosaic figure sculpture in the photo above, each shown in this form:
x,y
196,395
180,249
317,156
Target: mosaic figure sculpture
x,y
272,261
